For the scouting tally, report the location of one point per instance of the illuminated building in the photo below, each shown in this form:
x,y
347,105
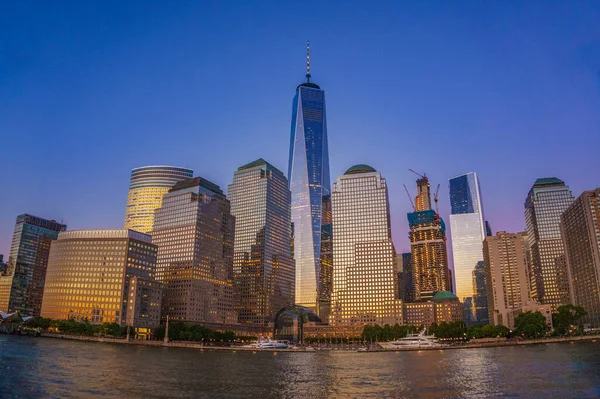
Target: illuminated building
x,y
194,232
365,288
546,201
444,307
580,226
467,229
147,186
22,285
104,276
507,277
309,183
262,267
428,246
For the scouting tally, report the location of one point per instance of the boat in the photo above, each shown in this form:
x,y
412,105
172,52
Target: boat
x,y
413,341
268,343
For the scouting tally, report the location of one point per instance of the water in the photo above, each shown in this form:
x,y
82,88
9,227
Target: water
x,y
54,368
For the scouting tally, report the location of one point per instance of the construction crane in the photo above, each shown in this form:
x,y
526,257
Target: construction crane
x,y
424,175
435,198
410,198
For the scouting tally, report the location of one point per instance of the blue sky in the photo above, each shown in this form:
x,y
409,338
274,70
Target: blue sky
x,y
89,90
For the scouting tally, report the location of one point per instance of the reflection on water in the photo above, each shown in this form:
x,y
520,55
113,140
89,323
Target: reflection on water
x,y
39,367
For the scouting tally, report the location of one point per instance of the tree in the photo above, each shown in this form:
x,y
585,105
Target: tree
x,y
531,325
566,319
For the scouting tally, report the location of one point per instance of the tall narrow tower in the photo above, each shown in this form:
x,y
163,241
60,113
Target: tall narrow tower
x,y
309,183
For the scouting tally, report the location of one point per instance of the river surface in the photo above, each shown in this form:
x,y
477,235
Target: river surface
x,y
56,368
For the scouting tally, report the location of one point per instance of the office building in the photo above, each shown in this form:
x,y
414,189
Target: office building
x,y
365,289
507,278
309,183
467,229
194,232
103,276
546,201
22,285
580,227
428,246
147,186
3,264
444,307
406,284
263,268
480,304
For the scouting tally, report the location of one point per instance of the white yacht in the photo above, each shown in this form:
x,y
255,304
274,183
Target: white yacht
x,y
268,343
412,341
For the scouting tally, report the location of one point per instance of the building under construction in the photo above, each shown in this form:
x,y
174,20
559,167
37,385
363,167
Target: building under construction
x,y
428,244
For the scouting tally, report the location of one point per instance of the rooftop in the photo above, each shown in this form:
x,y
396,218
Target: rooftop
x,y
549,181
444,296
360,168
258,162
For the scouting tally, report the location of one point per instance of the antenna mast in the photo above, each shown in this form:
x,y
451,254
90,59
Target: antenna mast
x,y
308,61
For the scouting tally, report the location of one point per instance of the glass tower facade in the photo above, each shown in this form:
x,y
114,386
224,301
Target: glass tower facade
x,y
147,186
480,294
194,231
545,203
309,183
365,279
467,229
263,269
22,285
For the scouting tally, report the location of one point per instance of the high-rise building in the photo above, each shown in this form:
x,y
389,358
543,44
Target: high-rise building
x,y
22,285
488,229
580,227
406,284
104,276
428,246
365,287
194,231
263,268
507,278
467,229
480,304
3,264
309,183
546,201
147,186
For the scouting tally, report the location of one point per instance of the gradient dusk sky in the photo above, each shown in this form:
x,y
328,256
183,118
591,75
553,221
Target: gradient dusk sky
x,y
91,89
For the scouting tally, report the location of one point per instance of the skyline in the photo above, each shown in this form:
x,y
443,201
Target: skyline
x,y
550,93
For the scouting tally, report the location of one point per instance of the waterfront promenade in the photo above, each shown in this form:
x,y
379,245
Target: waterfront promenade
x,y
374,347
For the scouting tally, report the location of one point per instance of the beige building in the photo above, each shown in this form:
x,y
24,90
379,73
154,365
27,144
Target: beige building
x,y
147,186
444,307
104,276
365,279
580,227
507,278
194,232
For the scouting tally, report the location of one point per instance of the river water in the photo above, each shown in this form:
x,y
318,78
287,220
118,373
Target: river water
x,y
55,368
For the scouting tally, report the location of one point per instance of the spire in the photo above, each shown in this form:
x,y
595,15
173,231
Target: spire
x,y
308,62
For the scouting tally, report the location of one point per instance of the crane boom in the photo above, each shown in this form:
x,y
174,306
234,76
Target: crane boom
x,y
418,174
435,198
410,198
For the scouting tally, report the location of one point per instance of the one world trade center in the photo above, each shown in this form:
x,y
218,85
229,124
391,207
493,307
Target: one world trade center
x,y
308,176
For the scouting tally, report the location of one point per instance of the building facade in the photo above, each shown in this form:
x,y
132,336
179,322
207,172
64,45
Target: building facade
x,y
467,229
147,186
22,284
194,231
507,278
546,201
365,288
580,227
97,275
309,183
444,307
480,300
264,277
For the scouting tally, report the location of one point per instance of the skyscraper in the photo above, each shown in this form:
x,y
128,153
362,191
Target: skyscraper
x,y
22,286
507,279
467,229
365,282
147,186
309,183
546,201
480,305
104,276
262,265
428,246
194,232
580,227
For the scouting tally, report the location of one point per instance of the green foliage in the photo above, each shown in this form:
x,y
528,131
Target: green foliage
x,y
487,331
387,332
79,327
455,329
186,332
566,319
531,325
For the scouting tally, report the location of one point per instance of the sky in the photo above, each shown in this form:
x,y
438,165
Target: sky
x,y
90,90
